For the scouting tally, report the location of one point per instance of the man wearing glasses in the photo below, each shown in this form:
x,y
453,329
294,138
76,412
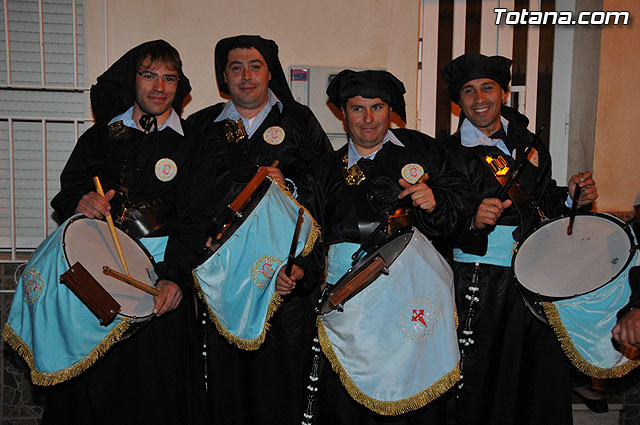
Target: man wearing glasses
x,y
146,157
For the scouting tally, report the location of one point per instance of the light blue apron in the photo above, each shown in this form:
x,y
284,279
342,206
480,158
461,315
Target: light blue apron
x,y
394,346
237,282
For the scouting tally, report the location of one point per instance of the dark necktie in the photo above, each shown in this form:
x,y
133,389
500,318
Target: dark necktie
x,y
148,122
502,135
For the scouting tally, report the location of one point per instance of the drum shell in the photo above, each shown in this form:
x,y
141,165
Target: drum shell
x,y
366,270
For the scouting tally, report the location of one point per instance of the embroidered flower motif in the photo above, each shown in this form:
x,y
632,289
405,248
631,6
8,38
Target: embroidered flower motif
x,y
419,319
32,285
264,269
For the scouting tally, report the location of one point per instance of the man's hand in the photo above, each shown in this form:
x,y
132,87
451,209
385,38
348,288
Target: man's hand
x,y
168,299
285,284
588,190
92,205
276,175
627,330
489,211
421,195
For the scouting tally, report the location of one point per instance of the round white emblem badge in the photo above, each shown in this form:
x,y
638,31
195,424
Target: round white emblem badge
x,y
166,169
273,135
412,173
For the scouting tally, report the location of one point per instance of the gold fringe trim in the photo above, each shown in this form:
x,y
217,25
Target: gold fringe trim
x,y
455,315
574,356
314,234
244,344
396,407
52,378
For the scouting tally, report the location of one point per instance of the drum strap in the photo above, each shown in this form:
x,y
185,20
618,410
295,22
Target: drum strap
x,y
528,209
143,218
119,131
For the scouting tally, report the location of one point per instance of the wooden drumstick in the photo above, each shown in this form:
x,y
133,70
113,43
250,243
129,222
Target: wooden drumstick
x,y
294,242
574,209
131,281
112,228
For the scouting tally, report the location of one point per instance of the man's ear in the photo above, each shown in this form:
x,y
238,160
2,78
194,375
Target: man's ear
x,y
269,76
224,75
505,96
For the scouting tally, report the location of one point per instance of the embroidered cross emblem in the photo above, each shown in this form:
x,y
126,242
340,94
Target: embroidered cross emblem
x,y
418,316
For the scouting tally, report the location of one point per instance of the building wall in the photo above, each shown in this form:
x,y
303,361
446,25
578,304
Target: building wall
x,y
617,154
355,33
584,92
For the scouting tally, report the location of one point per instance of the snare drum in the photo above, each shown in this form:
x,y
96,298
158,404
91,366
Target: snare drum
x,y
89,242
553,264
394,344
577,283
363,273
54,331
237,281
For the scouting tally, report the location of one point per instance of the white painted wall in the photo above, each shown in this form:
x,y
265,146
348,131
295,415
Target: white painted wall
x,y
354,33
617,154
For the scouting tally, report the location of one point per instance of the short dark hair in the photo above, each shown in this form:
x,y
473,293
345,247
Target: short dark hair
x,y
248,47
160,51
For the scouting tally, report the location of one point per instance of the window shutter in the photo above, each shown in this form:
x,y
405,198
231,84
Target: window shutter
x,y
42,115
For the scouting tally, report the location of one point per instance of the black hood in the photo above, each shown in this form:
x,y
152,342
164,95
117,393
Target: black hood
x,y
269,51
115,92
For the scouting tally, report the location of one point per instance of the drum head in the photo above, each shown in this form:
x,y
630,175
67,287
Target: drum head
x,y
89,242
553,264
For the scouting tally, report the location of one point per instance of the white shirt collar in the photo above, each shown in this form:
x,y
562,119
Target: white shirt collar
x,y
471,136
229,111
354,155
172,122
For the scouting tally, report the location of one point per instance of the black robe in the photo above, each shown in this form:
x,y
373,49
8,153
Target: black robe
x,y
514,371
156,375
303,142
333,203
265,386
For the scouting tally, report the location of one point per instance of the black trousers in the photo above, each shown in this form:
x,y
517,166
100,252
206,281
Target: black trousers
x,y
515,371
